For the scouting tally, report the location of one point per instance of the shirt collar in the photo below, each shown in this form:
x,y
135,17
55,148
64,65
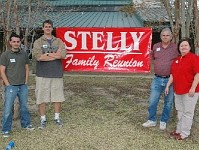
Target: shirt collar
x,y
15,52
45,39
187,55
167,46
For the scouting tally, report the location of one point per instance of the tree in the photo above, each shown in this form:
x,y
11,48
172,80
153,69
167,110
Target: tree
x,y
22,17
183,17
184,21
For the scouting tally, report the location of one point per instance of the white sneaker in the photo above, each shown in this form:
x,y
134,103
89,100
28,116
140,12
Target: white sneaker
x,y
163,125
42,124
149,123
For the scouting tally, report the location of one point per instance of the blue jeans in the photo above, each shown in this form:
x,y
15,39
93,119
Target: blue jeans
x,y
10,93
157,88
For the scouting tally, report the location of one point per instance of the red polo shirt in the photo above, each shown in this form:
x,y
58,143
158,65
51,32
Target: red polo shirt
x,y
183,70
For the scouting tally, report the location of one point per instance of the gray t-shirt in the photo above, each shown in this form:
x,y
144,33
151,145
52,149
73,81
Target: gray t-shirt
x,y
15,66
48,69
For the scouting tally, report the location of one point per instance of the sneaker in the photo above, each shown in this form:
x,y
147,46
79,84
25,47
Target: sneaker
x,y
30,127
149,123
58,122
6,134
163,125
42,124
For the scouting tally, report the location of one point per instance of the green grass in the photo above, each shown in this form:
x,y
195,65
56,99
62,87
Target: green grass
x,y
100,113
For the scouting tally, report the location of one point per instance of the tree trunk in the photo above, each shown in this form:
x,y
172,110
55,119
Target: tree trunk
x,y
183,22
16,18
7,25
27,27
2,25
169,13
196,20
188,18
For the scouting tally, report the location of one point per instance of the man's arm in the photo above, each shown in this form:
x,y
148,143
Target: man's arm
x,y
37,53
3,75
45,57
61,52
169,84
27,73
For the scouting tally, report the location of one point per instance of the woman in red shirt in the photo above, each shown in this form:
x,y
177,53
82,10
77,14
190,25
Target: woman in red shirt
x,y
185,79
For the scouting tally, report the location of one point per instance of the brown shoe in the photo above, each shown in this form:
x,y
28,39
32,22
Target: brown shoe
x,y
180,137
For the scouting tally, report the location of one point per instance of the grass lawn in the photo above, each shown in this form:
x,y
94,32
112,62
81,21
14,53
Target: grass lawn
x,y
100,113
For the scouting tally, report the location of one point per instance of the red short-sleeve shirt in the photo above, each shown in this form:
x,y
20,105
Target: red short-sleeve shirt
x,y
183,70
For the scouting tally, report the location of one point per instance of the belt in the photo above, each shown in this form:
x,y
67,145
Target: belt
x,y
162,76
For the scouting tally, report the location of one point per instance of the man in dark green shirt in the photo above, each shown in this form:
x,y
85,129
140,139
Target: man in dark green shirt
x,y
14,72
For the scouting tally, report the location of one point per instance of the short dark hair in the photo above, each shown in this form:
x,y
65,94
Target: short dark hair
x,y
49,22
14,35
187,40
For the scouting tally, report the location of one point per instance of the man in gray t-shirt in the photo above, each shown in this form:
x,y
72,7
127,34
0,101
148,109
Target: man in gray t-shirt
x,y
49,52
14,73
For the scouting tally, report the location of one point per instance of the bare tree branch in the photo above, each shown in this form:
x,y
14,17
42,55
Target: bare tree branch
x,y
16,18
